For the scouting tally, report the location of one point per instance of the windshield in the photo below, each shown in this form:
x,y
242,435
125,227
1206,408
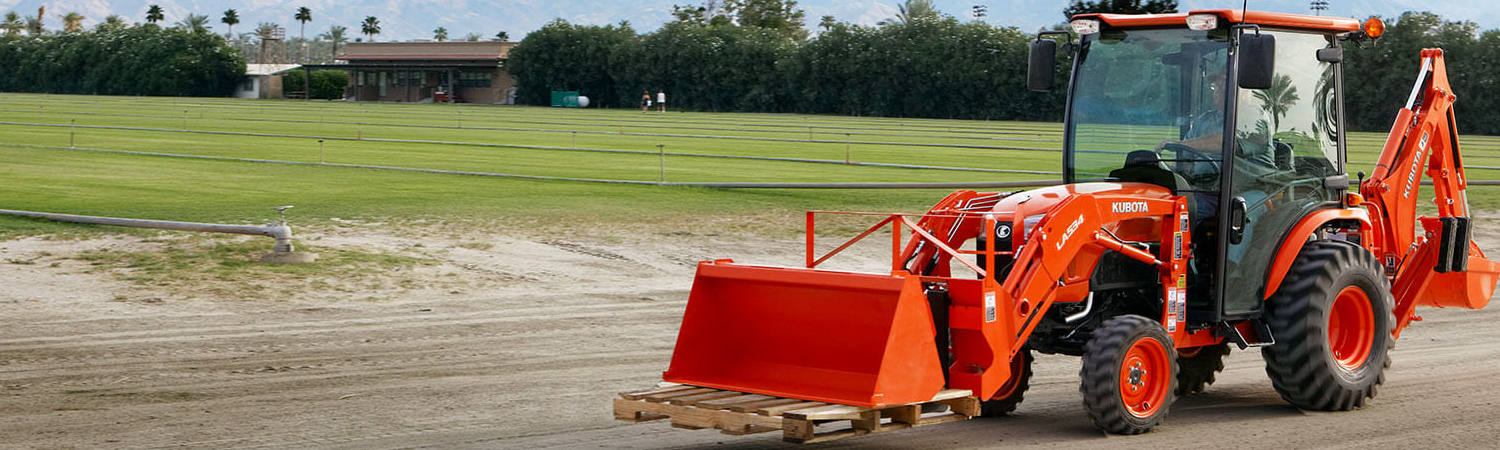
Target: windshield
x,y
1150,97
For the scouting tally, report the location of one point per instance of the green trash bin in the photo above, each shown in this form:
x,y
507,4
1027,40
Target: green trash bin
x,y
561,99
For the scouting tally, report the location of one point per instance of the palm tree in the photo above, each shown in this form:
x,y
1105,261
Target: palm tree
x,y
72,22
194,22
231,18
335,35
12,24
473,37
912,10
304,16
154,14
502,36
34,25
440,34
1278,99
114,21
370,27
827,23
266,31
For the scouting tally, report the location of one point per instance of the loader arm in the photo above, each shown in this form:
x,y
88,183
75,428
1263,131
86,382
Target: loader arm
x,y
986,336
1433,269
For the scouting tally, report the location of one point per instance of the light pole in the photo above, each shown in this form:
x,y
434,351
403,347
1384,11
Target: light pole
x,y
980,12
1318,6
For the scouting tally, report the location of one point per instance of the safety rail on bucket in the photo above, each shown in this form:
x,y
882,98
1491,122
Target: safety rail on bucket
x,y
896,220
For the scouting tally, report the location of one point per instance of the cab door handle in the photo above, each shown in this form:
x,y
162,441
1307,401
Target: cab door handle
x,y
1239,214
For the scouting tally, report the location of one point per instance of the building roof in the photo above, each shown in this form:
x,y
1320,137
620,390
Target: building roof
x,y
426,51
256,70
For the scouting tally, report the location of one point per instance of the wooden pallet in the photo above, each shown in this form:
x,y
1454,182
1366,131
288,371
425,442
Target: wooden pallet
x,y
740,413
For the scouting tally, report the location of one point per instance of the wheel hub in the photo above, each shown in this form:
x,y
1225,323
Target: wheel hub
x,y
1144,377
1351,328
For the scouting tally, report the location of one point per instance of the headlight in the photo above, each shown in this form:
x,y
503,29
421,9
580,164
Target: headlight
x,y
1085,26
1202,22
1029,224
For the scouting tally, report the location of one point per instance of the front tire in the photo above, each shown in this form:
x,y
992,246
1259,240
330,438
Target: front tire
x,y
1010,395
1332,322
1197,367
1129,375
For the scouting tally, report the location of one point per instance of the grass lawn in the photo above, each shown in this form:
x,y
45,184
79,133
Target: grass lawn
x,y
114,184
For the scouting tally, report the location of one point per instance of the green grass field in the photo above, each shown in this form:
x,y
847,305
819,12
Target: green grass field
x,y
41,173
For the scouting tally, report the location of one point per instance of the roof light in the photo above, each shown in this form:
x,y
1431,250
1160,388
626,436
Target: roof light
x,y
1085,26
1202,22
1373,27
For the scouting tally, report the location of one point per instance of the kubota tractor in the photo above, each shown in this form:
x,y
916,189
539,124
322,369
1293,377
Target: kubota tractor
x,y
1207,204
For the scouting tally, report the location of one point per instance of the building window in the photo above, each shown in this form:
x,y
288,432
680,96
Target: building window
x,y
411,78
474,79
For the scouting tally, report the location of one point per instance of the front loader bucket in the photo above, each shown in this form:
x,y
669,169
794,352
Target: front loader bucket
x,y
839,337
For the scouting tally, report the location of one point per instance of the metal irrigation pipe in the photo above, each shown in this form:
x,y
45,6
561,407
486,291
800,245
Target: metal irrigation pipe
x,y
278,230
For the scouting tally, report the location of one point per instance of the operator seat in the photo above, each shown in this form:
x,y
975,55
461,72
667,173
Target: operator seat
x,y
1144,166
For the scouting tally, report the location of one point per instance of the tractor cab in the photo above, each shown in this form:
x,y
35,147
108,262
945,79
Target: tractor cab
x,y
1243,120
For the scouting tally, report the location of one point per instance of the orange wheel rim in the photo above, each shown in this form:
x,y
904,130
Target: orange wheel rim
x,y
1017,364
1351,328
1145,377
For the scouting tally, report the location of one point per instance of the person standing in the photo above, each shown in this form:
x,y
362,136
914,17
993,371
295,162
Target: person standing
x,y
645,101
661,101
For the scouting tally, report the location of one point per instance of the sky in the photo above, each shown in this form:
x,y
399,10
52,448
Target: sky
x,y
416,19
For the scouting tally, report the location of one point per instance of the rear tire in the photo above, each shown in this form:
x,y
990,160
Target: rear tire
x,y
1129,375
1014,391
1332,322
1196,370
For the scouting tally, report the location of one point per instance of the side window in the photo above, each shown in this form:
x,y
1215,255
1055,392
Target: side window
x,y
1292,126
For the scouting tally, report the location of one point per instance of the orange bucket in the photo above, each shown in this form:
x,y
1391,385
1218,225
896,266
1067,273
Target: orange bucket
x,y
839,337
1470,289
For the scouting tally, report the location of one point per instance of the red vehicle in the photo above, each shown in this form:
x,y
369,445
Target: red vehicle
x,y
1207,206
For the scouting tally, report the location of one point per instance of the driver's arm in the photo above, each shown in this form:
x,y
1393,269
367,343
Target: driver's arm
x,y
1205,142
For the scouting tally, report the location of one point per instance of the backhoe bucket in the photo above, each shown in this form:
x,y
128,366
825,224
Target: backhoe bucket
x,y
839,337
1469,289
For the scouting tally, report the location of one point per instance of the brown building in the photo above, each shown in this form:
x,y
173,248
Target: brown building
x,y
468,72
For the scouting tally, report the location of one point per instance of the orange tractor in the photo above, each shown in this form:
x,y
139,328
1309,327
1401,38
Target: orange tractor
x,y
1206,204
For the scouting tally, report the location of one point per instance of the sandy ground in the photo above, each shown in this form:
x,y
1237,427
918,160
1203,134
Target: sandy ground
x,y
529,351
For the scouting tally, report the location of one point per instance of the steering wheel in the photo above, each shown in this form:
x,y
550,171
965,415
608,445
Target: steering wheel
x,y
1190,169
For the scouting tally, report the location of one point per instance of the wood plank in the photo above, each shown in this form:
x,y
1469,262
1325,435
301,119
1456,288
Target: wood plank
x,y
637,411
830,412
948,394
639,394
723,403
693,399
753,406
694,418
799,431
747,423
908,414
966,406
662,397
778,409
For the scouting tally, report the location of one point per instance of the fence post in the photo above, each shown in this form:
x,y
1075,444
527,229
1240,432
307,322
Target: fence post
x,y
846,149
661,149
72,129
320,151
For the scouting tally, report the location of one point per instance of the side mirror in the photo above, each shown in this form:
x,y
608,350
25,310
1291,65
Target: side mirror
x,y
1042,65
1257,61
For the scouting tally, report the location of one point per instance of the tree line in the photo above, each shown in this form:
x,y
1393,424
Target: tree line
x,y
119,59
923,63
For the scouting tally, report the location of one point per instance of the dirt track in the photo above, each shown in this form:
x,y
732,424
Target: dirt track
x,y
532,356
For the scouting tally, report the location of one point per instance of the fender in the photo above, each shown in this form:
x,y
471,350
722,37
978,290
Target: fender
x,y
1291,244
